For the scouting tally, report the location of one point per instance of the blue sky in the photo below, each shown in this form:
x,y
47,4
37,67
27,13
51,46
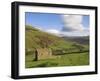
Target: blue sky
x,y
48,21
44,20
85,21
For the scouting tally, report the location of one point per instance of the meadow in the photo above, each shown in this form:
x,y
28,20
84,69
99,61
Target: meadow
x,y
75,59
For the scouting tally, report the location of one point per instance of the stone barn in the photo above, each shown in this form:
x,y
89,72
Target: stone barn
x,y
43,53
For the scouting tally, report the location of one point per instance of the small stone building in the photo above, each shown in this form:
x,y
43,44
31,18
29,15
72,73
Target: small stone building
x,y
43,53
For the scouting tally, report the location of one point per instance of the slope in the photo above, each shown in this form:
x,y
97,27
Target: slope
x,y
35,38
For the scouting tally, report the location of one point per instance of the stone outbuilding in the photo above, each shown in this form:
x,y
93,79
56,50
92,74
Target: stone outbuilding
x,y
43,53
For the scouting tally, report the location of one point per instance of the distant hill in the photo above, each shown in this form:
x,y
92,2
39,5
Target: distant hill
x,y
80,40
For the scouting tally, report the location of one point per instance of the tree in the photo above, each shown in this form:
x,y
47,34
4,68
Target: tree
x,y
44,41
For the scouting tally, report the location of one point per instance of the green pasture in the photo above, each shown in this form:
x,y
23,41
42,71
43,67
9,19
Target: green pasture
x,y
75,59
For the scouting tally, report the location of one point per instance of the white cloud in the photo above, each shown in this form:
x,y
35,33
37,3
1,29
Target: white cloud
x,y
75,33
73,22
72,27
67,33
39,28
53,31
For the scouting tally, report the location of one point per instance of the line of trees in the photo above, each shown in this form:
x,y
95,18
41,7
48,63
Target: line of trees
x,y
60,52
76,48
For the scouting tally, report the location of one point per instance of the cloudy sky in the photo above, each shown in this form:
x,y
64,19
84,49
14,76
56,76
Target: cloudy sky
x,y
59,24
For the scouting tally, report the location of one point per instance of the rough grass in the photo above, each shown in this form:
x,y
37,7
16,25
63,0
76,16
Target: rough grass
x,y
64,60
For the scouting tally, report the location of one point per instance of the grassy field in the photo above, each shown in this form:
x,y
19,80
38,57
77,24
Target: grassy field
x,y
75,59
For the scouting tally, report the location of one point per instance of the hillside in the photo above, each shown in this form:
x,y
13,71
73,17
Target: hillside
x,y
37,39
